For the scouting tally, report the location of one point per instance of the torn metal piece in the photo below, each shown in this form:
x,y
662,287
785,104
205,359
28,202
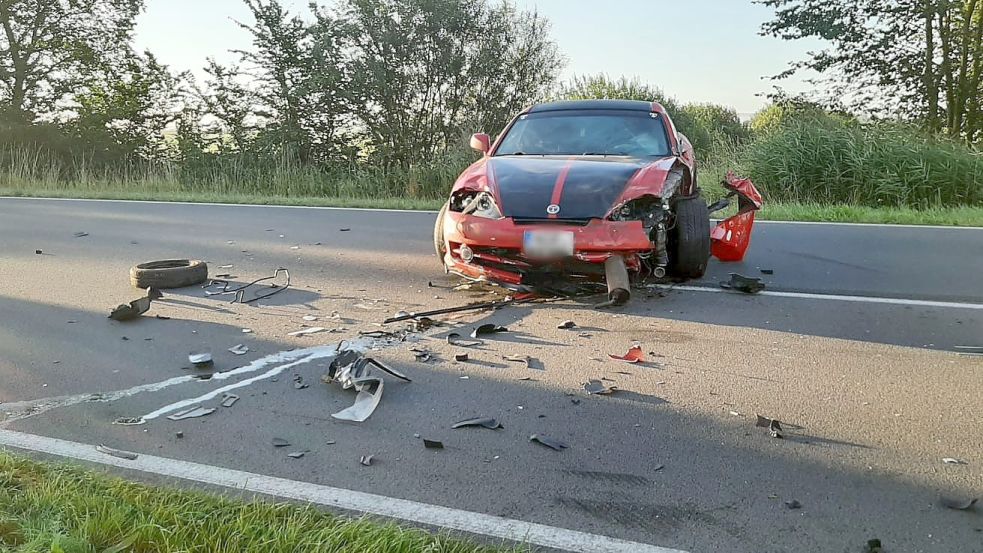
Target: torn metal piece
x,y
239,292
129,456
741,283
958,504
432,444
239,349
137,307
200,359
469,307
484,422
307,331
366,460
192,413
774,427
460,357
597,387
566,325
488,328
280,442
228,400
633,355
548,442
455,339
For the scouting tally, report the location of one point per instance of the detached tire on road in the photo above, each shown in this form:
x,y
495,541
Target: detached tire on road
x,y
439,244
169,273
690,239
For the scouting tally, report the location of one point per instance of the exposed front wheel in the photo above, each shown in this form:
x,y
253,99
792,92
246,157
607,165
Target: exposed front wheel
x,y
439,244
690,238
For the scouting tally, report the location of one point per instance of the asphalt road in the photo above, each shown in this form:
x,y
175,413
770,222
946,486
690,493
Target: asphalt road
x,y
673,458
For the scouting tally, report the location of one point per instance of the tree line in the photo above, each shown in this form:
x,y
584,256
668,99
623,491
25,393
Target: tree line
x,y
397,83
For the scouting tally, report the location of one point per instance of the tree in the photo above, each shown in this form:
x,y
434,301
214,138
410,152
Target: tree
x,y
424,71
48,48
901,59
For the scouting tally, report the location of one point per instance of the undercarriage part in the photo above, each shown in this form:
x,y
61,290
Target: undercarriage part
x,y
616,275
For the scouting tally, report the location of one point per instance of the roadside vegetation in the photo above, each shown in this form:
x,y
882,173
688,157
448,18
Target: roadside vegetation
x,y
62,509
370,103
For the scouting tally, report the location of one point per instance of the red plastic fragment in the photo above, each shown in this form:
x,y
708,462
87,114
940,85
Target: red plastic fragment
x,y
732,236
634,355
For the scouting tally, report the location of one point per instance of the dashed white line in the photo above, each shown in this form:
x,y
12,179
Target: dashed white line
x,y
339,498
836,297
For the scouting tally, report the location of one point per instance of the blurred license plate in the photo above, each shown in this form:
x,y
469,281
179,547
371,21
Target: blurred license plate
x,y
547,243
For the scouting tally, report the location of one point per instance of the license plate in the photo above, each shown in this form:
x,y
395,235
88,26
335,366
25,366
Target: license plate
x,y
547,244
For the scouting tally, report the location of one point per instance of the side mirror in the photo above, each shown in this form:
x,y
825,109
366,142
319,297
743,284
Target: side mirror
x,y
481,142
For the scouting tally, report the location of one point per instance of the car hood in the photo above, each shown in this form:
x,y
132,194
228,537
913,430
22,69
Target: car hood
x,y
583,188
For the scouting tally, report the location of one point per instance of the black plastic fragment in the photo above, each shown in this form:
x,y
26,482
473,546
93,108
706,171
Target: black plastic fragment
x,y
565,325
548,442
874,546
432,444
793,504
741,283
455,339
767,271
460,357
485,422
774,427
280,442
487,328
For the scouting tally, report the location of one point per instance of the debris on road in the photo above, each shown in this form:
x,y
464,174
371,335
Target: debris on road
x,y
447,310
548,442
597,387
524,359
432,444
461,357
774,427
129,421
366,460
767,271
129,456
793,504
200,359
487,329
741,283
280,442
633,355
307,331
953,461
455,339
970,350
421,354
137,307
566,325
179,435
80,234
239,349
168,273
240,291
296,454
309,318
299,383
353,370
191,413
228,400
959,504
874,546
38,252
484,422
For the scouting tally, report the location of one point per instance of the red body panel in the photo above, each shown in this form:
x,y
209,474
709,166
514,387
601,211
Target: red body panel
x,y
732,236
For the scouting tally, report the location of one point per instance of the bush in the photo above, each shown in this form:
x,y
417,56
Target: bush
x,y
829,160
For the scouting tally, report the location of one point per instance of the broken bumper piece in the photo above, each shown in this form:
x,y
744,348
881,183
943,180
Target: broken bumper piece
x,y
730,239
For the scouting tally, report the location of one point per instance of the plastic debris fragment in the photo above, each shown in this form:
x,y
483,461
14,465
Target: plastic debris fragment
x,y
741,283
774,427
239,349
191,413
366,460
119,453
280,442
548,442
137,307
455,339
593,387
200,359
484,422
487,329
566,325
432,444
633,355
228,400
307,331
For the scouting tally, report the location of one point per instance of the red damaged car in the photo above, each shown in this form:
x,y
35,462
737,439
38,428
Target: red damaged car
x,y
585,189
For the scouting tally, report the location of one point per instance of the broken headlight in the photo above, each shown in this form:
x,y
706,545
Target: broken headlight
x,y
483,205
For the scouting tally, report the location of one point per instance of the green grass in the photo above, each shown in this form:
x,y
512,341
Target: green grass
x,y
54,508
947,216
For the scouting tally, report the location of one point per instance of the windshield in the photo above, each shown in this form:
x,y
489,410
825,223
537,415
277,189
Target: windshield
x,y
616,133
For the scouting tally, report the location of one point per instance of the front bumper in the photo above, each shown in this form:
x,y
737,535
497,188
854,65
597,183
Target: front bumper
x,y
497,248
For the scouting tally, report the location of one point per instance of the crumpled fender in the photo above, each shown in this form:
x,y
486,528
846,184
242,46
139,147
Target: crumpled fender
x,y
730,239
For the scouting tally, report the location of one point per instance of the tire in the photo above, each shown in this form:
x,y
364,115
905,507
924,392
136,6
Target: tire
x,y
169,273
439,244
690,239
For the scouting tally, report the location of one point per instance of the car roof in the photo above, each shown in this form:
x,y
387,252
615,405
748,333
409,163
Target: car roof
x,y
623,105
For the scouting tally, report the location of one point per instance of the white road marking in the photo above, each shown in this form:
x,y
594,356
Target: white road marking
x,y
384,210
339,498
834,297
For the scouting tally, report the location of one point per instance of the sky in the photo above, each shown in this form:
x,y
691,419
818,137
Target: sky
x,y
695,50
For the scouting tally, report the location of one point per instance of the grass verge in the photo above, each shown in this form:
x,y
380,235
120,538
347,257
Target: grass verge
x,y
964,216
62,509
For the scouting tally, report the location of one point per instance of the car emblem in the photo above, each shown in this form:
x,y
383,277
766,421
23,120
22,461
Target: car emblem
x,y
552,209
